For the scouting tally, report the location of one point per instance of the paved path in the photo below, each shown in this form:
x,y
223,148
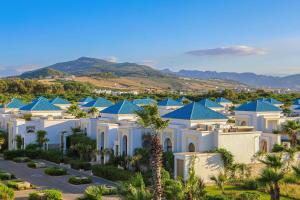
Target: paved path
x,y
41,180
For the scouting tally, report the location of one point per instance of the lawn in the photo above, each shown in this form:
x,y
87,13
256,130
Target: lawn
x,y
213,190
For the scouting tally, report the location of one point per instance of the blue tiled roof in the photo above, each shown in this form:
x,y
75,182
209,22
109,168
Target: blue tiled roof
x,y
270,100
146,101
15,103
222,100
40,105
209,103
296,101
122,107
298,108
99,102
194,111
183,99
39,98
258,106
169,102
58,100
86,99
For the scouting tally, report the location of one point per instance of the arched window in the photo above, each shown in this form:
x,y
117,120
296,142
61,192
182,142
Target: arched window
x,y
124,145
263,146
243,123
192,147
168,145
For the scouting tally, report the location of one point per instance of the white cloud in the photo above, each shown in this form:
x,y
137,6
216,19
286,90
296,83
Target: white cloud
x,y
239,50
26,68
150,63
112,59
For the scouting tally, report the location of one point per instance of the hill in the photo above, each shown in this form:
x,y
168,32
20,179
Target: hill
x,y
251,79
89,66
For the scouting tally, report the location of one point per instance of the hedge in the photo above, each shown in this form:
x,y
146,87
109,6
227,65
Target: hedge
x,y
50,155
77,164
50,194
79,180
19,185
111,172
6,176
55,171
21,159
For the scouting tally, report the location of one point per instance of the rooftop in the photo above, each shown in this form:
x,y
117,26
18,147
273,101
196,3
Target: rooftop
x,y
222,100
99,102
58,100
169,102
209,103
270,100
40,105
194,111
258,106
86,99
122,107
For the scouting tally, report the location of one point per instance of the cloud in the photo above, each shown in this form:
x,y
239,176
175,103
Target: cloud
x,y
26,68
239,50
112,59
150,63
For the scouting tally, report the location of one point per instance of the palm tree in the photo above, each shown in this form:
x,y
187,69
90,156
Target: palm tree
x,y
219,181
291,128
271,178
41,138
73,110
94,192
149,118
273,161
81,114
297,171
93,111
19,142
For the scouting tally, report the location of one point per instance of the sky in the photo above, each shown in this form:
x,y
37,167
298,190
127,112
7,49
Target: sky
x,y
260,36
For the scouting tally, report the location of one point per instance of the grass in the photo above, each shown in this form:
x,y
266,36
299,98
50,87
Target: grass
x,y
213,190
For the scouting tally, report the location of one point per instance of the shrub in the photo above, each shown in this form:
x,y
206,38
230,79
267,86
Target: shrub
x,y
290,178
6,175
10,155
21,159
111,172
6,193
278,148
31,164
32,147
34,153
50,194
77,164
52,155
249,196
55,171
79,180
19,185
250,184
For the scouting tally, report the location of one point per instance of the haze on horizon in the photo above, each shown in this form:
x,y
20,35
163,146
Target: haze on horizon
x,y
216,35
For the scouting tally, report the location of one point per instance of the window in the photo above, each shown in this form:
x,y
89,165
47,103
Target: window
x,y
124,145
263,146
30,129
243,123
192,147
167,145
102,141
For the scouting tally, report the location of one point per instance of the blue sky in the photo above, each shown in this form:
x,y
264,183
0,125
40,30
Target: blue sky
x,y
261,36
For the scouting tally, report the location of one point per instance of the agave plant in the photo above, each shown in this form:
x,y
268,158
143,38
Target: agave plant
x,y
94,192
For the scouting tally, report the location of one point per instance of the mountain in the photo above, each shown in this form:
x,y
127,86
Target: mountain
x,y
292,81
90,66
43,72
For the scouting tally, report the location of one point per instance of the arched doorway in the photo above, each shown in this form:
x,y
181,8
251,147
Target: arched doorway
x,y
263,146
124,145
192,147
168,145
102,141
243,123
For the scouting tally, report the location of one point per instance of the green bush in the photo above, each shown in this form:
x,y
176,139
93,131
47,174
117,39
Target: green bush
x,y
95,192
50,194
11,154
52,156
31,165
6,176
77,164
278,148
79,180
6,193
34,153
249,196
21,159
250,184
111,172
55,171
19,185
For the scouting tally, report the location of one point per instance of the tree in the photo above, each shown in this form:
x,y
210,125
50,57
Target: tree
x,y
272,174
296,170
41,139
73,110
149,117
81,114
2,140
219,181
82,149
94,112
19,142
291,128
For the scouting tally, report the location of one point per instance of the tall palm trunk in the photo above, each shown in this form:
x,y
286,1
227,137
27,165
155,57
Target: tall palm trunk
x,y
277,191
294,140
156,163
